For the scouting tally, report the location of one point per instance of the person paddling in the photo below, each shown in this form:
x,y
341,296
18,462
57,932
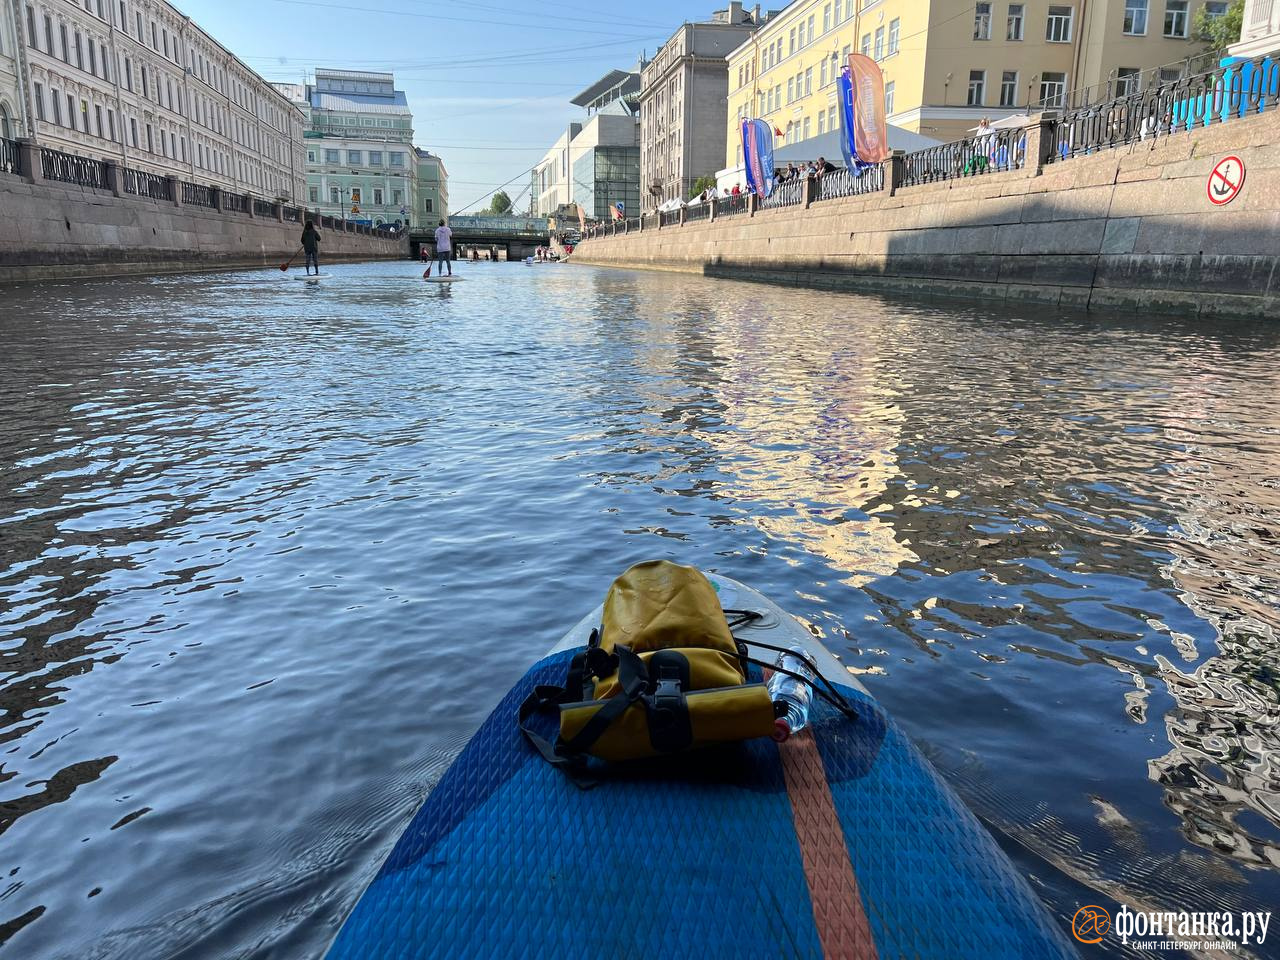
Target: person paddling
x,y
311,245
444,247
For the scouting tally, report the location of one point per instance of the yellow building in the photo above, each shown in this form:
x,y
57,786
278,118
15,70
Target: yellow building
x,y
949,63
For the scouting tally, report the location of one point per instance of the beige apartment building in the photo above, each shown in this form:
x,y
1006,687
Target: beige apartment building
x,y
949,63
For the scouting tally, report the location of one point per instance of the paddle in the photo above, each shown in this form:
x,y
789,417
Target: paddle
x,y
426,274
284,267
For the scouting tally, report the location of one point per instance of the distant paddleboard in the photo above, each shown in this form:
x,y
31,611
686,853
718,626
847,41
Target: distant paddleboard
x,y
442,279
315,276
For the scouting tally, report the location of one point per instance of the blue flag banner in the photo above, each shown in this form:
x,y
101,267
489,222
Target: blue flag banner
x,y
844,104
757,156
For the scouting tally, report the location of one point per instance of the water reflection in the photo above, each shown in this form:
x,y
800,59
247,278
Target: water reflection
x,y
268,552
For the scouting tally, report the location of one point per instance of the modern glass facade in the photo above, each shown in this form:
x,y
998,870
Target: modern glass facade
x,y
604,175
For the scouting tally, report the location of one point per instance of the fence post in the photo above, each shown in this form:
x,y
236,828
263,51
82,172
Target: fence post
x,y
112,172
280,212
215,197
1040,142
753,203
896,175
32,163
682,210
714,202
807,190
175,190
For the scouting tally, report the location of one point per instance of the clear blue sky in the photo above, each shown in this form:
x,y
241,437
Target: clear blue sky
x,y
489,82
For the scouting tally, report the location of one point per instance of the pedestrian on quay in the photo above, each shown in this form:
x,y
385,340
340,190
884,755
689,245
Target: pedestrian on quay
x,y
311,247
444,247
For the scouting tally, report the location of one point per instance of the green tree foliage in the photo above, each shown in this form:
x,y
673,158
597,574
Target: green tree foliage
x,y
702,183
501,203
1218,33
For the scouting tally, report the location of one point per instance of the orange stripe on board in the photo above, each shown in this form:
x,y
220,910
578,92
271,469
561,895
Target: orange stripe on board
x,y
842,923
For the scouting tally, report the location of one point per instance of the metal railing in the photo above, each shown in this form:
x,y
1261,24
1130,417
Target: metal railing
x,y
11,157
234,203
263,208
697,211
67,168
785,194
731,205
143,184
1220,96
650,222
669,217
292,215
197,195
989,153
842,183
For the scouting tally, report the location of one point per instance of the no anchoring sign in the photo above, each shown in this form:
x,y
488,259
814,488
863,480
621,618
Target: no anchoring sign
x,y
1226,180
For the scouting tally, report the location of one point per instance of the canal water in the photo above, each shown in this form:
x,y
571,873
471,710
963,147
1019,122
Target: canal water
x,y
270,551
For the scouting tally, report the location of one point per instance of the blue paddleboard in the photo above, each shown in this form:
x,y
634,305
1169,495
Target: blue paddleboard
x,y
841,842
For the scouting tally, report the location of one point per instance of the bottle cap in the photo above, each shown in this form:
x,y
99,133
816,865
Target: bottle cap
x,y
781,730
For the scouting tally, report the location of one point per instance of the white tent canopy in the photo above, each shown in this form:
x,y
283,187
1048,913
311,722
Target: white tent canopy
x,y
1014,121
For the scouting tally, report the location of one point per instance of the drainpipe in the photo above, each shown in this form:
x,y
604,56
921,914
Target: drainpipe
x,y
115,72
24,86
188,102
1079,51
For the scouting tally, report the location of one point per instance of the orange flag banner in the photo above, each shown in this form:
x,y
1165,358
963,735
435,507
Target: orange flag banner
x,y
871,130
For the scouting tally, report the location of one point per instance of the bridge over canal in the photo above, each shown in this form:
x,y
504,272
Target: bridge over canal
x,y
517,236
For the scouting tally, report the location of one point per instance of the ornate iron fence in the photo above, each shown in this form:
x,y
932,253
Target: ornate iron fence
x,y
292,215
235,202
669,217
197,195
731,205
842,183
143,184
697,211
989,153
66,168
10,157
263,208
1222,95
785,194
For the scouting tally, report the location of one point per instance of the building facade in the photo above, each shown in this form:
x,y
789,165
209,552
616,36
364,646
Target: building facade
x,y
138,82
1261,29
949,63
682,104
13,120
551,181
432,189
360,159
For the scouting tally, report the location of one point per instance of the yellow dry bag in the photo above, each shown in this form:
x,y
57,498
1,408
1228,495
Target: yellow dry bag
x,y
662,674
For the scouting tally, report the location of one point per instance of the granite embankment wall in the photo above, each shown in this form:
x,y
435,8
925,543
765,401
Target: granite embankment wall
x,y
51,230
1130,227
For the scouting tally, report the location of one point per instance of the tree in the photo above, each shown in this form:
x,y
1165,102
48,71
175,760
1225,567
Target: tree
x,y
501,203
702,183
1218,33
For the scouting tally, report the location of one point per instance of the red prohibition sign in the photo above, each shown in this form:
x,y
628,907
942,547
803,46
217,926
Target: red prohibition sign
x,y
1226,180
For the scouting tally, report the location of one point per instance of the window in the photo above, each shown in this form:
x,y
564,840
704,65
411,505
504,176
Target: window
x,y
48,35
791,46
879,47
62,35
791,89
1170,74
1016,16
982,21
977,87
1135,17
332,156
1009,88
826,18
93,58
377,197
824,72
1128,80
836,18
333,194
1175,18
71,111
800,35
895,31
97,116
822,123
397,159
427,201
355,156
313,194
39,91
31,27
56,99
808,81
888,98
397,197
1058,29
375,158
111,125
311,156
1213,9
805,133
79,50
866,44
1053,88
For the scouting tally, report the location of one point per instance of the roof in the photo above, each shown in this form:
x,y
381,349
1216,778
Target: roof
x,y
360,103
613,78
356,75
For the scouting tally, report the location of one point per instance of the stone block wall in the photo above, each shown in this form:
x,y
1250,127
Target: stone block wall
x,y
1129,227
53,230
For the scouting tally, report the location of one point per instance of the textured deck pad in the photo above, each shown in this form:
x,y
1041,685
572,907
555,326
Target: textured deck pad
x,y
698,857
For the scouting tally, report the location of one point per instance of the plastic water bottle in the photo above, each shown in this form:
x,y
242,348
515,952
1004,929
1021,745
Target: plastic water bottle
x,y
794,695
